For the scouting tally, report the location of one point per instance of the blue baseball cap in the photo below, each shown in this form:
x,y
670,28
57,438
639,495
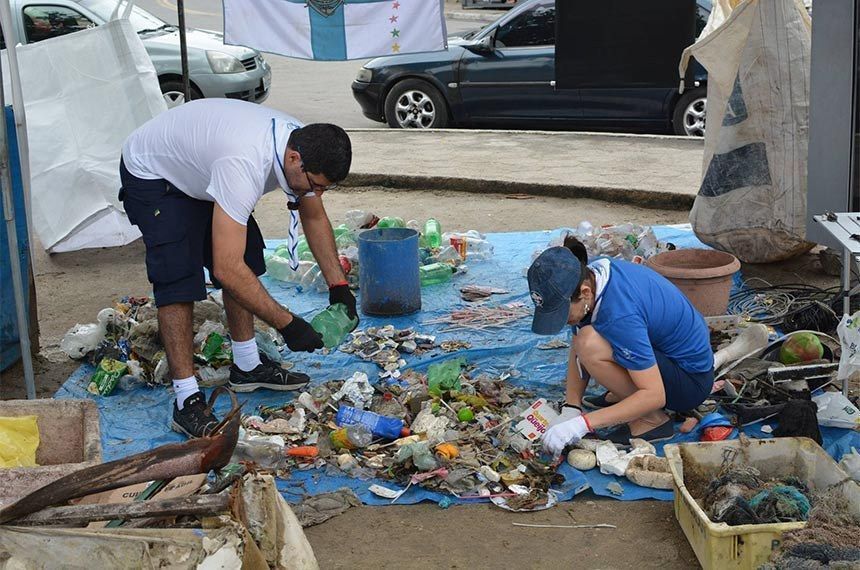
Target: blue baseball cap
x,y
553,278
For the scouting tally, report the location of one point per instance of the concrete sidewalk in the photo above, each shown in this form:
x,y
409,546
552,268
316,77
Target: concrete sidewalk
x,y
646,170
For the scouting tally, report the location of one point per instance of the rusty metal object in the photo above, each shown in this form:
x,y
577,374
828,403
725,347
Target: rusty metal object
x,y
166,462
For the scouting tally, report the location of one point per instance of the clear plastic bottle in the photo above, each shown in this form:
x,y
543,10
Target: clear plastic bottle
x,y
391,222
584,229
351,437
279,268
433,233
435,273
355,219
267,454
333,324
449,254
478,249
307,279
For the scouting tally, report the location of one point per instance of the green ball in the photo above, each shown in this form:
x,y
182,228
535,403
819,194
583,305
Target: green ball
x,y
465,415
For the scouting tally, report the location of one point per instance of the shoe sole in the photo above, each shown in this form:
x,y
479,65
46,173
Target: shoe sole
x,y
250,387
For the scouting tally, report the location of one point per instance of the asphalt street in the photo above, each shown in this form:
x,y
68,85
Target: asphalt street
x,y
312,91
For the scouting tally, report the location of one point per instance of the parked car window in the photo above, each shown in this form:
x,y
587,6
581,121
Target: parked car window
x,y
45,21
703,11
534,27
140,19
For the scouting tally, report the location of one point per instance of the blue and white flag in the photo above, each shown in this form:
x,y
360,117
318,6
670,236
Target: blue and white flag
x,y
336,29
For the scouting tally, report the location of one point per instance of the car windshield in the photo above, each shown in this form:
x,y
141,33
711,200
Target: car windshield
x,y
140,19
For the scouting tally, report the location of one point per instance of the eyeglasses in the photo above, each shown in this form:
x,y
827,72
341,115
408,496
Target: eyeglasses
x,y
311,184
317,187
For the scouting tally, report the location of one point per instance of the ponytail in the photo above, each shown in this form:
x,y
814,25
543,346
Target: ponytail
x,y
577,248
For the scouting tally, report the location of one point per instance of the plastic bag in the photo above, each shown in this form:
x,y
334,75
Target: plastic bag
x,y
849,338
835,410
445,376
83,339
19,439
851,464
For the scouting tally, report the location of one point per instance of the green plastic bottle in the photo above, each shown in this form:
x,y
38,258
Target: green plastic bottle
x,y
435,273
391,222
333,324
433,233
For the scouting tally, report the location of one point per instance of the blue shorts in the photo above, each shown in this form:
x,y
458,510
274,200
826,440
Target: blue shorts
x,y
684,390
177,232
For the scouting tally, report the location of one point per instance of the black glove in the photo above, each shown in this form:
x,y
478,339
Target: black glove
x,y
342,294
300,336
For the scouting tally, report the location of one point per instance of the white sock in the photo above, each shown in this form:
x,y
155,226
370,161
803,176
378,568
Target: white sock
x,y
245,354
184,388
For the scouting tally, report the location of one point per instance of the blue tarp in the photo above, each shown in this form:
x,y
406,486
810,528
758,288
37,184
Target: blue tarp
x,y
137,420
10,348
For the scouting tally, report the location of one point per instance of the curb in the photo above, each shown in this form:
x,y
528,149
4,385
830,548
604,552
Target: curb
x,y
642,198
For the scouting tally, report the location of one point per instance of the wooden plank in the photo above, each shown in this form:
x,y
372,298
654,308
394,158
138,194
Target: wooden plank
x,y
198,505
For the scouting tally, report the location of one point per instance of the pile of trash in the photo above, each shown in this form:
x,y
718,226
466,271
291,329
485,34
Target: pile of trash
x,y
438,251
385,345
630,242
470,436
125,347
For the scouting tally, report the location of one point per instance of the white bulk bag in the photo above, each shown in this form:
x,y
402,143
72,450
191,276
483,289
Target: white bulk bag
x,y
752,200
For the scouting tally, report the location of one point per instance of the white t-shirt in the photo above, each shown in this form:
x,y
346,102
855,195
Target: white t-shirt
x,y
218,150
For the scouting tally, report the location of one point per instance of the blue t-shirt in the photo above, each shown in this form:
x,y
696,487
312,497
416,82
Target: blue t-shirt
x,y
641,311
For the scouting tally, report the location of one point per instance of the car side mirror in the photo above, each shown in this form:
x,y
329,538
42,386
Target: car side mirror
x,y
485,45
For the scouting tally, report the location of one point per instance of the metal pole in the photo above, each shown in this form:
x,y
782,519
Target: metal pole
x,y
847,262
183,50
10,34
14,254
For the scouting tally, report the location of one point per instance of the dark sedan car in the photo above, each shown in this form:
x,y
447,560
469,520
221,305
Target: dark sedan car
x,y
504,74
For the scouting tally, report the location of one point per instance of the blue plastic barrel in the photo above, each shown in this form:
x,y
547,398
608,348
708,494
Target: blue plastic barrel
x,y
388,271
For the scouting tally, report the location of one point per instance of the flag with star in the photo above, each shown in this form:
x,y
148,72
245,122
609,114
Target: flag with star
x,y
336,29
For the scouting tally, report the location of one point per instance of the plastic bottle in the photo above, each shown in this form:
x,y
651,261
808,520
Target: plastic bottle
x,y
380,426
433,233
266,453
435,273
351,437
333,324
584,228
391,222
355,219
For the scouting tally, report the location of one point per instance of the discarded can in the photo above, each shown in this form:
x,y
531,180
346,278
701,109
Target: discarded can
x,y
460,244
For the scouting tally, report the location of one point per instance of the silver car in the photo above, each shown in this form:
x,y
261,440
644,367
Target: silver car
x,y
215,69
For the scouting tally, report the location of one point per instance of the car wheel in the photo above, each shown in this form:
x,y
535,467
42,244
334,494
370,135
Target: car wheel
x,y
689,116
174,94
415,104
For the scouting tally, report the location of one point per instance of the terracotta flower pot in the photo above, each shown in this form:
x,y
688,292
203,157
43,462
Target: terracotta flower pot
x,y
703,275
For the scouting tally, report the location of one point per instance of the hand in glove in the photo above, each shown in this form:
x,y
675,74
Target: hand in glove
x,y
342,294
560,435
568,412
300,336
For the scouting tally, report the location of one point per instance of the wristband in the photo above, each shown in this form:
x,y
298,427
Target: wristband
x,y
338,284
574,406
588,424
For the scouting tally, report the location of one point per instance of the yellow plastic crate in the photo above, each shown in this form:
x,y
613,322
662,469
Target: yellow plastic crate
x,y
719,546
